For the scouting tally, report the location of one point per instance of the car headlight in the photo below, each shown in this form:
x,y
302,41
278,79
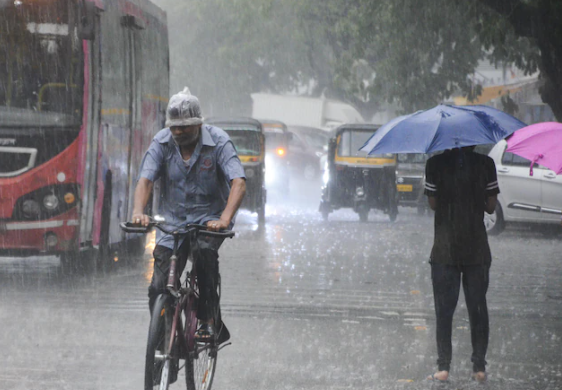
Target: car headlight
x,y
30,209
250,173
50,202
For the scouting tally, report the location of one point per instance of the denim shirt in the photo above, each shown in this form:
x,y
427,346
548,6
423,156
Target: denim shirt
x,y
195,191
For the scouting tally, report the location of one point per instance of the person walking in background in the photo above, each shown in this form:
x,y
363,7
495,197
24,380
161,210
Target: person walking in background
x,y
461,185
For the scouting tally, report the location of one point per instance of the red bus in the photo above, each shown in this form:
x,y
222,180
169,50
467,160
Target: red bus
x,y
83,88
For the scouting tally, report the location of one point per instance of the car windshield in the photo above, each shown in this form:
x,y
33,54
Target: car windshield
x,y
351,141
316,141
40,61
246,142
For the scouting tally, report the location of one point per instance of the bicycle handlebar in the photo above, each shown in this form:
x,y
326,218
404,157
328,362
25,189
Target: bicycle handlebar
x,y
130,227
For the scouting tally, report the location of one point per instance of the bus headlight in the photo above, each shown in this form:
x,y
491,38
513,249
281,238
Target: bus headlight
x,y
50,202
30,209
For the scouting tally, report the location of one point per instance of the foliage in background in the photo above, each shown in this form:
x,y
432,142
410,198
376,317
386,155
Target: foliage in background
x,y
415,53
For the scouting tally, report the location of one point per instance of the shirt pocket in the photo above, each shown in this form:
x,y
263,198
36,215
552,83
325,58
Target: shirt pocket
x,y
207,179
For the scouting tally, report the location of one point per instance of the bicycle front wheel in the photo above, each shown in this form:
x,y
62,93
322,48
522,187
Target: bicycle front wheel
x,y
157,371
200,367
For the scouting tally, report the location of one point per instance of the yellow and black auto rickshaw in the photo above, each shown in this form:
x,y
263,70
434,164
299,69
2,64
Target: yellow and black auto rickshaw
x,y
353,179
248,138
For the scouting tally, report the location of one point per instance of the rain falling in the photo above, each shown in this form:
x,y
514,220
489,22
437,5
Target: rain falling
x,y
391,171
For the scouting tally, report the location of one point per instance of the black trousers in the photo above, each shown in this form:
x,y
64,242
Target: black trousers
x,y
446,287
207,269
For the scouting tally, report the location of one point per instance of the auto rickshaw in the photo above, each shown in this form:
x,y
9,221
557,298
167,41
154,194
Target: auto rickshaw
x,y
248,138
410,180
277,156
353,179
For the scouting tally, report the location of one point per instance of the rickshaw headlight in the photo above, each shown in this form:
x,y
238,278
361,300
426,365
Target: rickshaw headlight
x,y
326,176
400,180
360,191
250,173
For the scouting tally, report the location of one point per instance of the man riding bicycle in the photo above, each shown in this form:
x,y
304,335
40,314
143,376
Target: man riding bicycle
x,y
202,181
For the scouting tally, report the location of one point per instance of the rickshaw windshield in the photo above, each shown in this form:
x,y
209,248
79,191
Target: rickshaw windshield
x,y
246,142
275,140
351,141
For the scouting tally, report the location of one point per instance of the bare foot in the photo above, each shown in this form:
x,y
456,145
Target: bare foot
x,y
439,376
480,376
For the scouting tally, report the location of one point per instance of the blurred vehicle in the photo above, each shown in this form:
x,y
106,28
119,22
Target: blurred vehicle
x,y
322,113
308,146
249,141
356,180
410,178
277,155
523,198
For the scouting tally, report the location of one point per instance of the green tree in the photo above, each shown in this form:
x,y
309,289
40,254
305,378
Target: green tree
x,y
416,53
528,33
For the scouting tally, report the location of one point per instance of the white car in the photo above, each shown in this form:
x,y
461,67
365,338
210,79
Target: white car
x,y
523,198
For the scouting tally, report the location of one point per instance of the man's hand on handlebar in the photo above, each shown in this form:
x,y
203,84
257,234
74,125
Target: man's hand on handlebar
x,y
140,219
216,226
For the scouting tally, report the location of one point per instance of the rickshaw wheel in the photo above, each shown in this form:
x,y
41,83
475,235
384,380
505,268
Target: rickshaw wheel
x,y
261,215
363,216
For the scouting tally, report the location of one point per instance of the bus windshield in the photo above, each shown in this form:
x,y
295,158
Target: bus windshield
x,y
40,63
246,142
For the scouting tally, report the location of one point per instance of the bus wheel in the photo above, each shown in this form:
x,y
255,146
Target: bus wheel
x,y
68,262
135,249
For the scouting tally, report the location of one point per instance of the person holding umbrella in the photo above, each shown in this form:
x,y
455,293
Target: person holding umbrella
x,y
461,185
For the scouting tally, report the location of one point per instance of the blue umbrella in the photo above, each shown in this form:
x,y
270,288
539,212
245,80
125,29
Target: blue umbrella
x,y
442,127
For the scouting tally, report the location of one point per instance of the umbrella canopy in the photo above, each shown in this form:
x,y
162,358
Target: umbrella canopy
x,y
541,143
442,127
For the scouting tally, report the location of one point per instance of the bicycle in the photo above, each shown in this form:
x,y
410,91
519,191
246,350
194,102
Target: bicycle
x,y
169,341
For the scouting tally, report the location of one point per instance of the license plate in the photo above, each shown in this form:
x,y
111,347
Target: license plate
x,y
404,187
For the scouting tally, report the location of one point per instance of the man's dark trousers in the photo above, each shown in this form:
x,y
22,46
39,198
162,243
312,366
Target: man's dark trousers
x,y
446,287
207,274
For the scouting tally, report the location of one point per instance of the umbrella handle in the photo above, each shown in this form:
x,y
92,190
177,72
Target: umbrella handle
x,y
537,158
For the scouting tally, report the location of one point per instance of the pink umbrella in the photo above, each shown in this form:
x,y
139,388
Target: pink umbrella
x,y
541,143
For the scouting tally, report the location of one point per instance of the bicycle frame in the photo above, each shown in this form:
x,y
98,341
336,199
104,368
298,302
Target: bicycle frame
x,y
183,297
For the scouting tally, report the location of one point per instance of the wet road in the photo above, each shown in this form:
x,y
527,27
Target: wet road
x,y
314,305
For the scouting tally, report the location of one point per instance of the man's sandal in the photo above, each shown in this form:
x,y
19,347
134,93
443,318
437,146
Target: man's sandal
x,y
205,333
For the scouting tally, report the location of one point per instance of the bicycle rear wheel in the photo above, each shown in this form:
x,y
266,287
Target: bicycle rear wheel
x,y
157,371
